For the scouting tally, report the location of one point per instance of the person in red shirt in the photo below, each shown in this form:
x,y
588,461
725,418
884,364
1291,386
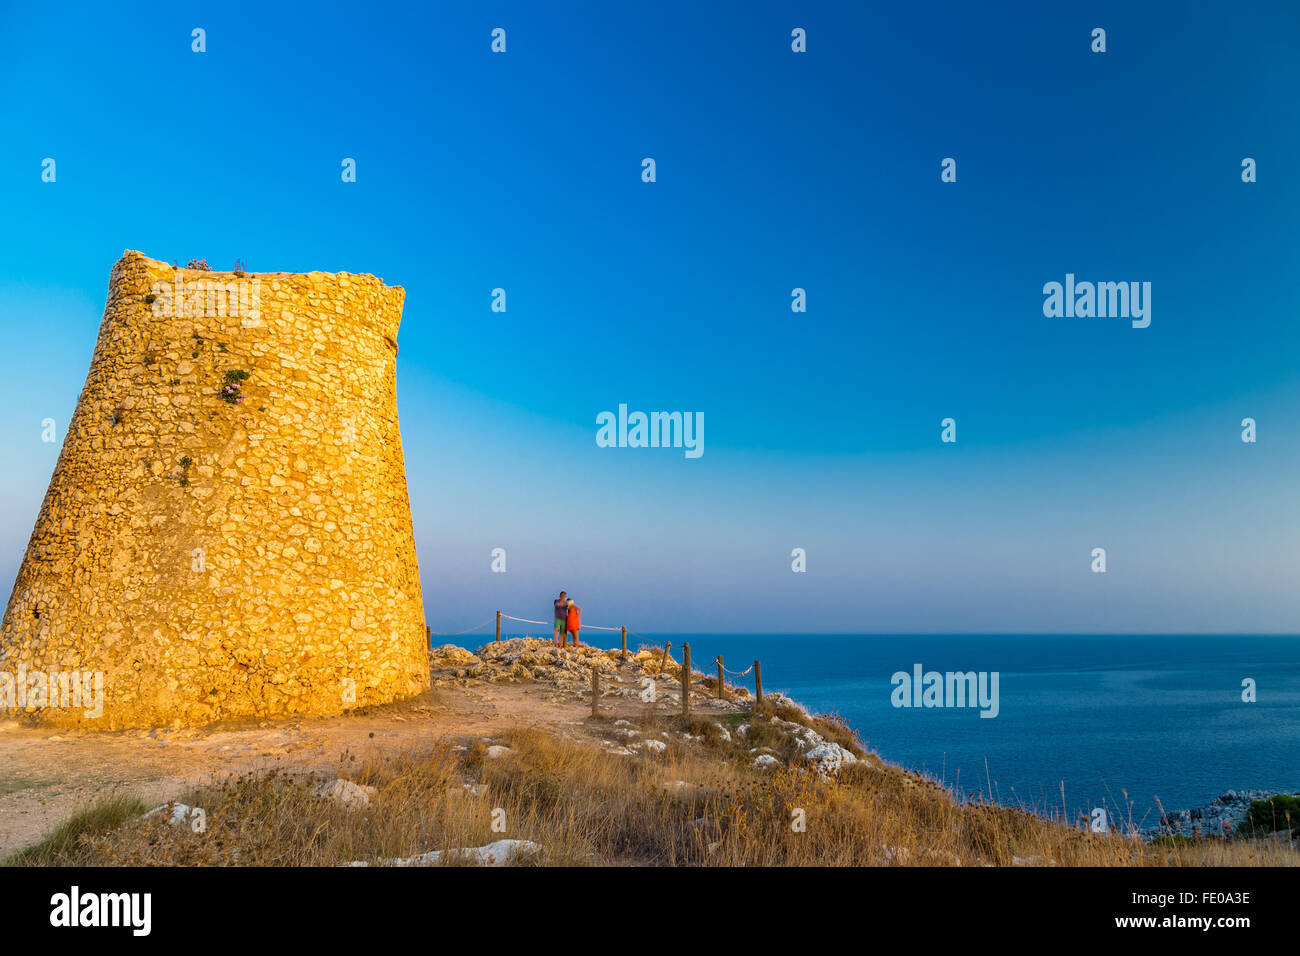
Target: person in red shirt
x,y
573,621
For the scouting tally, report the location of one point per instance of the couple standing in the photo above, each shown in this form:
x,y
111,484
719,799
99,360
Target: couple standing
x,y
568,619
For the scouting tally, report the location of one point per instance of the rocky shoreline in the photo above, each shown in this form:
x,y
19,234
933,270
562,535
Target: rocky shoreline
x,y
1216,818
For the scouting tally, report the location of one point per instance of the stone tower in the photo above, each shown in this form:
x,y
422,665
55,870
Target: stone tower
x,y
227,533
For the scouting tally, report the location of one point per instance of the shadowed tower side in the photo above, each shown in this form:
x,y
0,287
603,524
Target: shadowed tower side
x,y
227,532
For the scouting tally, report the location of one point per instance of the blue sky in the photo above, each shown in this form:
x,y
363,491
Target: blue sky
x,y
775,170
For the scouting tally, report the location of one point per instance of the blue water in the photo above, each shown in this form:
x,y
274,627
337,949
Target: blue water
x,y
1156,716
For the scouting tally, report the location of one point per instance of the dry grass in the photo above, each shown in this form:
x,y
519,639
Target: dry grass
x,y
697,804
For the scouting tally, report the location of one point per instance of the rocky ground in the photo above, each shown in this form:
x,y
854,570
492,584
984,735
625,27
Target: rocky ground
x,y
627,684
645,675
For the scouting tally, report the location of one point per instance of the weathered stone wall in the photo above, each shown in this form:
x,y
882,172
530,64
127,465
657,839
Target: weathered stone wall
x,y
217,560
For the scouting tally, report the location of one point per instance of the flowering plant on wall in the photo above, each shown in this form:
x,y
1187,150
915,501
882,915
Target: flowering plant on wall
x,y
231,390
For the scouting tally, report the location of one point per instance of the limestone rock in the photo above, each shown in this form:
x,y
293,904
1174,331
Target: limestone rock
x,y
181,814
450,656
499,853
829,758
345,793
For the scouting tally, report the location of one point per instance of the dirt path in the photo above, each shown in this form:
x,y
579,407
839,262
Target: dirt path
x,y
46,776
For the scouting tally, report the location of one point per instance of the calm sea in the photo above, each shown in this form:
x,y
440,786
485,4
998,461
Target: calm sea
x,y
1156,716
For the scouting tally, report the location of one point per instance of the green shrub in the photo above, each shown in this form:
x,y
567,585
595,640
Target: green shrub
x,y
1173,840
1268,816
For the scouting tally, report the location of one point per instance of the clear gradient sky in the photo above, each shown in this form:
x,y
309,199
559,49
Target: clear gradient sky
x,y
775,170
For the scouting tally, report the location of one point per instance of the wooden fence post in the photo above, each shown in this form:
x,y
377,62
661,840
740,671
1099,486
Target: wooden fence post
x,y
758,682
498,625
595,691
624,642
428,633
686,680
722,688
664,663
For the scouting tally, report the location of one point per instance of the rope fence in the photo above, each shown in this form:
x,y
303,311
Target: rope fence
x,y
755,668
454,633
524,620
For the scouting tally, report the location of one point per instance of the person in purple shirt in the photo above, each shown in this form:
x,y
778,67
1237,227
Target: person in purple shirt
x,y
561,616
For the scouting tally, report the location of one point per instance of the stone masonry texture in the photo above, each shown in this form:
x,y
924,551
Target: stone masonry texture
x,y
237,554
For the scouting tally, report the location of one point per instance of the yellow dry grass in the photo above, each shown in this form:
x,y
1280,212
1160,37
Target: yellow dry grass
x,y
696,804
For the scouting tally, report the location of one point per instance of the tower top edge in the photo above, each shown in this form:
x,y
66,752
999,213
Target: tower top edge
x,y
133,255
